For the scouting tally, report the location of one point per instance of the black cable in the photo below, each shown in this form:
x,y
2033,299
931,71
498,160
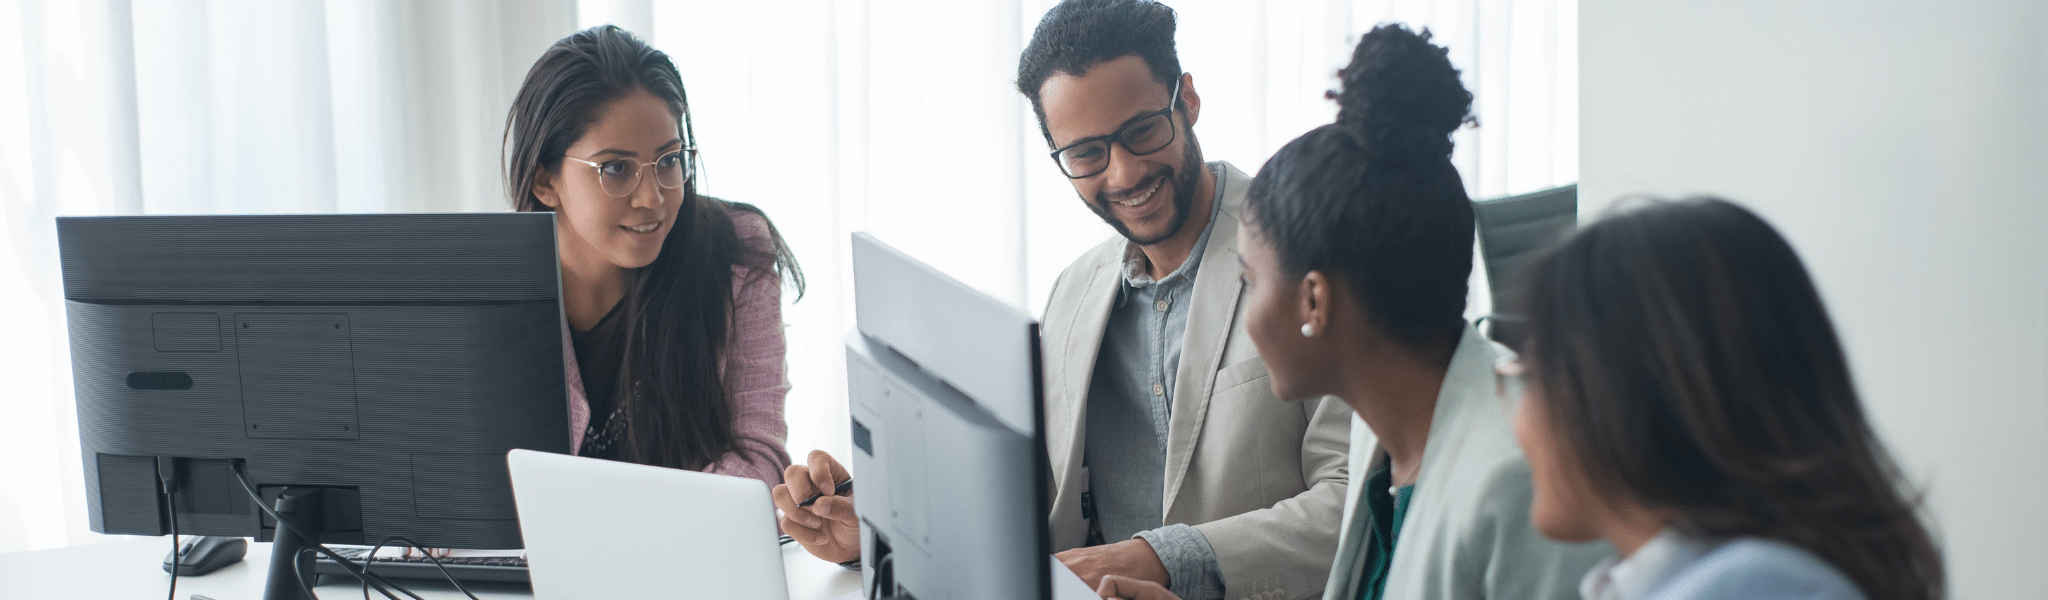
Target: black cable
x,y
881,567
369,559
300,576
423,552
171,498
313,543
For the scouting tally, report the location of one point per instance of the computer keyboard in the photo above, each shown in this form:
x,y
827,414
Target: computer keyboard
x,y
464,568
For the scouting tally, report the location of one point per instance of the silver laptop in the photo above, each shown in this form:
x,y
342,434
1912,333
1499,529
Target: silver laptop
x,y
603,529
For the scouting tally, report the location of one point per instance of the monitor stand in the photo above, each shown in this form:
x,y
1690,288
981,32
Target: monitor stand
x,y
291,566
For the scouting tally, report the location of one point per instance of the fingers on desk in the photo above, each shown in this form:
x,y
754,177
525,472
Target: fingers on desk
x,y
1126,588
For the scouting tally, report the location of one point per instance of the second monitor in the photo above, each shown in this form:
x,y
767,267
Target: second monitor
x,y
948,436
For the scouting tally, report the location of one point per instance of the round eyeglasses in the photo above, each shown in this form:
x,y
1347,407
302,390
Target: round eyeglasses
x,y
620,177
1146,134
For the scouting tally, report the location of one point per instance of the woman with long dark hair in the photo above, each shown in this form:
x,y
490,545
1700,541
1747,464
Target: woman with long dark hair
x,y
672,299
1357,249
1688,402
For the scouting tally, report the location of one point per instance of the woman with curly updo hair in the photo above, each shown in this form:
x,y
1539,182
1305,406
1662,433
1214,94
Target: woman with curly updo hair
x,y
1357,247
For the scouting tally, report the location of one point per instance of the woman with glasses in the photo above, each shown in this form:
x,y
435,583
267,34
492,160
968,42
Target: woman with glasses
x,y
1689,403
673,299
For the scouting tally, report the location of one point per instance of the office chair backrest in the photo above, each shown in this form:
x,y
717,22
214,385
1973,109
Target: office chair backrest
x,y
1512,231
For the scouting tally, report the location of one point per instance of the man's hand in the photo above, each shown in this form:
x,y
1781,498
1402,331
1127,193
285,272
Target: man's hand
x,y
1133,559
1125,588
828,527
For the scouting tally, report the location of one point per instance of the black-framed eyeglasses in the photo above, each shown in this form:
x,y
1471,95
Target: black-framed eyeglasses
x,y
620,177
1146,135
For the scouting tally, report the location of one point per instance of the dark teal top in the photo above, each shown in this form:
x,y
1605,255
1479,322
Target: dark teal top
x,y
1386,512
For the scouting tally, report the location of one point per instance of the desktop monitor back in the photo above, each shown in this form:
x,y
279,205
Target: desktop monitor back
x,y
388,361
948,436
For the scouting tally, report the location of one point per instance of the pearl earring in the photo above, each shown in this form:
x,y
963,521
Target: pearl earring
x,y
1308,330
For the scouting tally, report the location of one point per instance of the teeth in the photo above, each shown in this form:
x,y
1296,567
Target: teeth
x,y
648,228
1148,194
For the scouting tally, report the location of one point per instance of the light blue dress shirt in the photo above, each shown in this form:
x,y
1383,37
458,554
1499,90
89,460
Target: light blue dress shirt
x,y
1130,399
1677,565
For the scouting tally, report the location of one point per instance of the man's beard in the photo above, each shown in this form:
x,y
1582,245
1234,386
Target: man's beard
x,y
1184,184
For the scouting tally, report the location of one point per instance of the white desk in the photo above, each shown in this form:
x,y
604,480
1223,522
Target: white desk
x,y
134,569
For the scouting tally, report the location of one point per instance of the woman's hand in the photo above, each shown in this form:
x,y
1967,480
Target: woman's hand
x,y
1125,588
828,527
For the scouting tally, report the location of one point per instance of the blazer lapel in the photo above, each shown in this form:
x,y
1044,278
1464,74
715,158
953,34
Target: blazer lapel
x,y
1211,319
1468,388
1466,403
1357,524
1080,342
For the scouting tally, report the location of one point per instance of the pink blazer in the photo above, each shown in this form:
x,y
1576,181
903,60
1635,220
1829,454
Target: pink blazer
x,y
753,366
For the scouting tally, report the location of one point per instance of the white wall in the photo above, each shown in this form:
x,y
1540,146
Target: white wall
x,y
1901,148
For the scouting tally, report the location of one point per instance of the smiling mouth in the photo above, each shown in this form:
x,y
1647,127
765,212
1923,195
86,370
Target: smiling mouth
x,y
1141,199
648,228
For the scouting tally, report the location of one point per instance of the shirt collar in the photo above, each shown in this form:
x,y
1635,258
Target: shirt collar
x,y
1137,268
1650,566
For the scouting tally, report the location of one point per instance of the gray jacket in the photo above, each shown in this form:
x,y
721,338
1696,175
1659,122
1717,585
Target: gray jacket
x,y
1466,532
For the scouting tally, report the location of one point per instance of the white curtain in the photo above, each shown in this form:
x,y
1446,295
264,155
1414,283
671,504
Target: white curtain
x,y
897,117
193,107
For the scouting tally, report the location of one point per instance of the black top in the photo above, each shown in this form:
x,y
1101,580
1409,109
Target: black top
x,y
600,352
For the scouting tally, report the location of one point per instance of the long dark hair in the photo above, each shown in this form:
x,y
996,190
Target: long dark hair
x,y
678,310
1373,198
1686,362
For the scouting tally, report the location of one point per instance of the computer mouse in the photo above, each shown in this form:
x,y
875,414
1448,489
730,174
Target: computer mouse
x,y
205,554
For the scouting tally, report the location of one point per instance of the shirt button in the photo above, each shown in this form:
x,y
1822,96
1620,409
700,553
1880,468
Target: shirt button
x,y
1160,305
1158,390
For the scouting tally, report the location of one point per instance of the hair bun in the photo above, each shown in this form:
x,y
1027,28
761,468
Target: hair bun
x,y
1400,96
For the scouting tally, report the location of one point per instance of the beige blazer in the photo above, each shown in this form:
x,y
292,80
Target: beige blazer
x,y
1263,479
1466,533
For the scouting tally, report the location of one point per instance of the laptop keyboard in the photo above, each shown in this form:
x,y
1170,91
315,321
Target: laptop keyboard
x,y
464,568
